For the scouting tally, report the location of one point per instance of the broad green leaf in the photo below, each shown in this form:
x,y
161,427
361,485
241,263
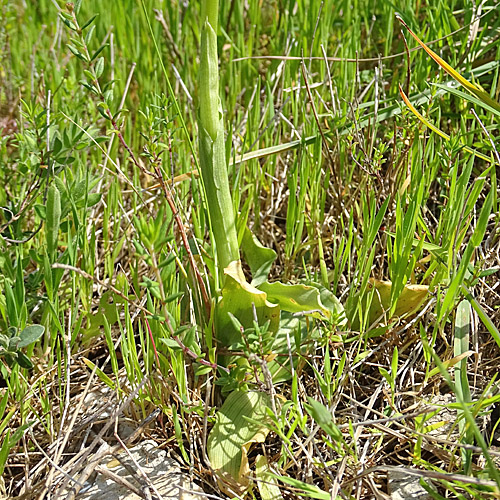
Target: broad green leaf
x,y
239,298
30,335
305,299
258,257
239,424
53,214
267,483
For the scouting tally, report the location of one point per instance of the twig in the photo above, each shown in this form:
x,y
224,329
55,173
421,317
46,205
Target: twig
x,y
357,60
59,450
442,476
104,449
134,461
119,480
180,225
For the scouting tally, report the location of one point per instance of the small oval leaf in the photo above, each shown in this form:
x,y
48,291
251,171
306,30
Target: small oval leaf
x,y
30,335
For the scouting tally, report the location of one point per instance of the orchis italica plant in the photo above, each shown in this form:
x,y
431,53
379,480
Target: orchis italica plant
x,y
243,311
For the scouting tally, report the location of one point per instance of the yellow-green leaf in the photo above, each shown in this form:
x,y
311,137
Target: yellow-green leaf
x,y
411,298
267,483
473,89
239,424
439,132
449,363
307,299
239,299
257,256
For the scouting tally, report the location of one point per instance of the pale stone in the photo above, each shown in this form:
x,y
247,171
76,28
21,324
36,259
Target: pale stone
x,y
405,486
163,472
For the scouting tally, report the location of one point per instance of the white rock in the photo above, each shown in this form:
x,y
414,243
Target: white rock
x,y
163,473
404,486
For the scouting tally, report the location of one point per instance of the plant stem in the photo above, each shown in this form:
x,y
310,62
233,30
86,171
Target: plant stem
x,y
212,146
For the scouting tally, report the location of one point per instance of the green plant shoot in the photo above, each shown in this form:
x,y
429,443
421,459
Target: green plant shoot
x,y
211,142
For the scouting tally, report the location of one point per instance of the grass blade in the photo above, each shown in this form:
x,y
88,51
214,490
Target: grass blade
x,y
473,89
